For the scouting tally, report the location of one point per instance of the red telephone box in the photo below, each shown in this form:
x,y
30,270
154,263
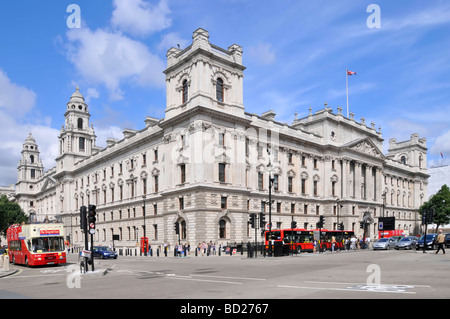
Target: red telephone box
x,y
144,245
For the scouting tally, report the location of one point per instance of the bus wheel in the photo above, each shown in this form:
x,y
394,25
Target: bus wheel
x,y
299,249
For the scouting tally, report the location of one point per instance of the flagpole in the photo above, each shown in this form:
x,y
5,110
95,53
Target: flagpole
x,y
346,87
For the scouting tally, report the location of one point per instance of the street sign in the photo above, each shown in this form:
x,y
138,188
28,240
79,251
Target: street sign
x,y
92,231
380,226
86,253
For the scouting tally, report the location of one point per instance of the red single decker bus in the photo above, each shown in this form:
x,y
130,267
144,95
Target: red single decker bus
x,y
301,240
36,244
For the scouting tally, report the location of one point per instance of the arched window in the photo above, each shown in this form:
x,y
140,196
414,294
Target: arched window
x,y
222,228
31,159
219,90
80,123
403,159
185,91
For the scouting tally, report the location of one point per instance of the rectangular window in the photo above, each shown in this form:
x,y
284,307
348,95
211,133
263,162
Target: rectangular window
x,y
183,173
290,184
275,182
260,181
181,203
222,172
223,202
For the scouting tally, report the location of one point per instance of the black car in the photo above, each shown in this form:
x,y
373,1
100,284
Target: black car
x,y
447,240
430,242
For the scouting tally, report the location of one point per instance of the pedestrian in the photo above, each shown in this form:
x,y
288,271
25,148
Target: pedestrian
x,y
333,243
315,244
440,242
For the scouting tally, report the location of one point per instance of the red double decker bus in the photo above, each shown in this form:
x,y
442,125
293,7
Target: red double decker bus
x,y
36,244
301,240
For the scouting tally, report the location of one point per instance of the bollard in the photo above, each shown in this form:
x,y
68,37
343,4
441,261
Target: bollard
x,y
6,262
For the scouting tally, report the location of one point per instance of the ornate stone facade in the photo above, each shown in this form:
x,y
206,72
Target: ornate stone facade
x,y
205,165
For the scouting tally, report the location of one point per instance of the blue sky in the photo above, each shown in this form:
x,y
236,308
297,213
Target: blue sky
x,y
296,53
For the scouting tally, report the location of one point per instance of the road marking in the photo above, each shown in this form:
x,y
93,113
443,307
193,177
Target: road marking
x,y
224,277
204,280
359,288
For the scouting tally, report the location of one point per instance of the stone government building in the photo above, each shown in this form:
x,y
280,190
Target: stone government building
x,y
205,165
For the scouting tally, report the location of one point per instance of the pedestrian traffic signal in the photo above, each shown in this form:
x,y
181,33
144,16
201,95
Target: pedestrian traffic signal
x,y
293,224
92,216
176,227
262,220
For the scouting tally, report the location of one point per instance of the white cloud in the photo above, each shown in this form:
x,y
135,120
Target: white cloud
x,y
263,53
171,40
441,144
139,17
14,99
107,58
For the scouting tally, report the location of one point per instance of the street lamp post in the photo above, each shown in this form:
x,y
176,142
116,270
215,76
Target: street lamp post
x,y
271,181
143,211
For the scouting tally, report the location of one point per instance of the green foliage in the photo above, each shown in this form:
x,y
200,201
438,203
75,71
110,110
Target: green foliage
x,y
10,213
440,203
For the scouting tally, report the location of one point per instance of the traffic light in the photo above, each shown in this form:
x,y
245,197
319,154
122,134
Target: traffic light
x,y
262,220
253,220
341,226
91,216
361,225
176,227
83,213
321,221
293,224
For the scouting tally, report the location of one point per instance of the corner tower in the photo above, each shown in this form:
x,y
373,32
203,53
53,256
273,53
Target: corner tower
x,y
30,167
77,137
206,75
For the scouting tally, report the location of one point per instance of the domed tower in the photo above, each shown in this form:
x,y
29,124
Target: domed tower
x,y
30,167
77,137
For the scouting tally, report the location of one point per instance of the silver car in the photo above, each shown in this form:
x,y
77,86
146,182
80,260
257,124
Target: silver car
x,y
406,243
385,243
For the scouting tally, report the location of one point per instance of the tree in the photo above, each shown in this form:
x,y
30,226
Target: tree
x,y
10,213
440,203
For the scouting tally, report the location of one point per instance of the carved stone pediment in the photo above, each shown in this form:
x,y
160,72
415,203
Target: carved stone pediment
x,y
366,146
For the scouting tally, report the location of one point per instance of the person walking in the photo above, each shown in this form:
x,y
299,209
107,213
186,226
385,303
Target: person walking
x,y
440,242
333,243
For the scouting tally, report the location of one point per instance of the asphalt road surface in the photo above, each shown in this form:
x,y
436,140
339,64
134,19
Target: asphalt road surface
x,y
364,274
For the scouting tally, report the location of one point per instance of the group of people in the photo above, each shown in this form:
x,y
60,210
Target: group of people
x,y
203,248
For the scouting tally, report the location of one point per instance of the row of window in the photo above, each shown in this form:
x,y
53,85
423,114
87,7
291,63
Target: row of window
x,y
219,91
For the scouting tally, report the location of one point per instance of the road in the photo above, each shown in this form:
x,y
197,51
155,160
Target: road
x,y
344,275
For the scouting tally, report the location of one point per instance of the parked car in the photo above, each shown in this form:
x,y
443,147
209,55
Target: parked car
x,y
430,242
104,252
447,240
406,243
385,243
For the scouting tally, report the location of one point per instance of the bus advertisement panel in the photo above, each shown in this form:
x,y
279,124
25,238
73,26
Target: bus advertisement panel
x,y
36,244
